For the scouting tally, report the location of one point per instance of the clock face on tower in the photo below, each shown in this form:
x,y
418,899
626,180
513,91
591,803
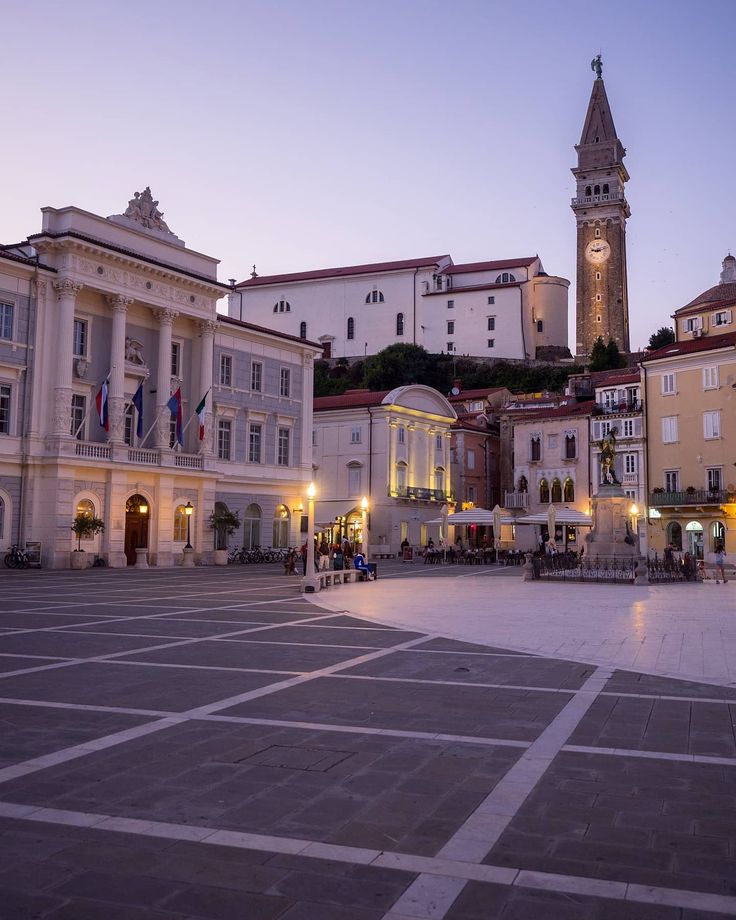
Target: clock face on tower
x,y
597,251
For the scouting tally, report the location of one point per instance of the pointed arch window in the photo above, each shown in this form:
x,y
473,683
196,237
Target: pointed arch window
x,y
523,485
588,190
571,447
605,188
535,447
543,492
556,490
302,330
568,490
351,328
399,324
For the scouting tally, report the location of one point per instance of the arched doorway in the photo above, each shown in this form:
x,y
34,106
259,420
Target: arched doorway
x,y
137,514
252,526
694,531
280,527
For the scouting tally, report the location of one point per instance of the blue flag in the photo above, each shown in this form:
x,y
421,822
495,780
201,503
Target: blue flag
x,y
138,403
174,407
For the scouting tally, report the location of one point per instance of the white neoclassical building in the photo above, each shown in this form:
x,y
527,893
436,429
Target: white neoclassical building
x,y
122,301
507,308
393,447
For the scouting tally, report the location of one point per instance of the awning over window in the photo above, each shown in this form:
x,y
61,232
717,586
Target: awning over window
x,y
562,516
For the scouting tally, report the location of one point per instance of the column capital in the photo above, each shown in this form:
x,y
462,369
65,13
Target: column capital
x,y
119,301
208,326
307,359
165,317
65,286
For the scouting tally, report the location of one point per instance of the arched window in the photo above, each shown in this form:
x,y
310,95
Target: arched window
x,y
180,524
282,306
568,490
571,447
351,327
540,325
694,530
523,485
2,518
374,296
355,478
439,479
399,324
588,190
556,490
252,526
597,190
674,535
280,527
302,330
543,492
505,278
717,536
221,531
605,188
86,507
401,478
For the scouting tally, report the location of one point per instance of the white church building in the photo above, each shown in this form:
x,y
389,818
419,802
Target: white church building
x,y
508,308
122,301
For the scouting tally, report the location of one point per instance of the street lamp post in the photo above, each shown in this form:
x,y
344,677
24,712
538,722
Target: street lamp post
x,y
188,560
364,526
310,583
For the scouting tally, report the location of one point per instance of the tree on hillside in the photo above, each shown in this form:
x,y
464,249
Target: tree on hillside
x,y
397,366
613,356
663,336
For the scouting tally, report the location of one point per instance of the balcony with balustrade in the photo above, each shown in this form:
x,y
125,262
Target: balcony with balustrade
x,y
690,497
417,493
625,406
137,456
516,501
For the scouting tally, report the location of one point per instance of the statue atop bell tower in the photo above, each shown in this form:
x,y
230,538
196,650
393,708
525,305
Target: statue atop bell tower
x,y
601,211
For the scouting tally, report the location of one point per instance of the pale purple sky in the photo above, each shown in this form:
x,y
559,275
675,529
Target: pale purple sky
x,y
313,133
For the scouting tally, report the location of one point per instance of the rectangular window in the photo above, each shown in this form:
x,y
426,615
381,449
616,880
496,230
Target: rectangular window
x,y
172,432
669,429
285,382
668,384
491,323
353,480
710,377
722,318
438,442
471,494
256,377
470,464
254,443
128,426
714,479
535,452
629,463
6,321
606,428
693,324
283,447
226,371
80,338
79,413
628,428
451,327
491,300
355,435
439,481
671,481
224,438
175,359
630,494
712,425
491,343
402,434
450,304
450,347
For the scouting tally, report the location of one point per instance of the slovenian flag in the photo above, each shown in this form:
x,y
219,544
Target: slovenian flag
x,y
174,407
138,403
101,403
200,410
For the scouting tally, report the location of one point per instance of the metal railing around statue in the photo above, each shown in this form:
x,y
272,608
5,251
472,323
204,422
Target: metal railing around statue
x,y
612,570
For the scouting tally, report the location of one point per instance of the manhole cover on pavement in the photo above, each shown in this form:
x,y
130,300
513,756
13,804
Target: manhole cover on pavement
x,y
297,758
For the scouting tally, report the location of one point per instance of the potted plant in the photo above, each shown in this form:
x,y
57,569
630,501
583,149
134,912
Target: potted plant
x,y
224,523
690,490
84,525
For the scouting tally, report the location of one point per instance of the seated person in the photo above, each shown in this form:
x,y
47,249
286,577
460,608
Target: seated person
x,y
360,564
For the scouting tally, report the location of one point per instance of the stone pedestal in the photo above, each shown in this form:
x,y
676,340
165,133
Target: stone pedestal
x,y
78,560
188,560
141,557
610,536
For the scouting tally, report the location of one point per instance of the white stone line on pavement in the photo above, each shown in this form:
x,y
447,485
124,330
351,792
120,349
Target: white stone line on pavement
x,y
454,683
650,755
87,707
202,667
474,839
453,874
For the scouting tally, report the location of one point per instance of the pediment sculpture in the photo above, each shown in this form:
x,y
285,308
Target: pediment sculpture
x,y
144,210
134,352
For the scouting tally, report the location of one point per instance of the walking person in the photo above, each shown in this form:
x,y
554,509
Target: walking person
x,y
720,564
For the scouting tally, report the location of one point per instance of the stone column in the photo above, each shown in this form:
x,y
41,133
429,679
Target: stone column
x,y
207,329
163,377
391,478
430,458
307,414
66,291
116,396
411,455
447,461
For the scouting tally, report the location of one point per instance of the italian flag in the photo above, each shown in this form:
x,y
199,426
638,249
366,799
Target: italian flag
x,y
200,410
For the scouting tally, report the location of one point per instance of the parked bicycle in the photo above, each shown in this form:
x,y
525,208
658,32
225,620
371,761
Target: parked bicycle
x,y
16,558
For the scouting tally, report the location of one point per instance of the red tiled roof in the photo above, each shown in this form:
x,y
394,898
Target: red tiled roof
x,y
723,291
474,287
705,307
619,377
571,409
351,399
474,394
280,335
469,422
366,269
467,267
704,343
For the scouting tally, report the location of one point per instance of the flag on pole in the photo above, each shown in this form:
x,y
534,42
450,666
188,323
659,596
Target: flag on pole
x,y
138,403
200,410
174,407
101,403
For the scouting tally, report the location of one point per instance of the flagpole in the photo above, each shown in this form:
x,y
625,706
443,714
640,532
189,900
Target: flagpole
x,y
155,422
92,406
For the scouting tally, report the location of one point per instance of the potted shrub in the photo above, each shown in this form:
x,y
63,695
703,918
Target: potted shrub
x,y
84,525
224,523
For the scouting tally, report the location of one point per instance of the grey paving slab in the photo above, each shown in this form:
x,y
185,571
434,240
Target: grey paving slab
x,y
69,645
652,685
449,666
29,731
19,662
159,626
245,615
279,656
327,635
131,685
35,620
454,645
477,711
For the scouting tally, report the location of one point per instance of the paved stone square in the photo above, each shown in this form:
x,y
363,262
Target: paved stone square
x,y
435,744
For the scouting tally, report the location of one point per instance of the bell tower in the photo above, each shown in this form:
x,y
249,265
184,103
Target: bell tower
x,y
601,211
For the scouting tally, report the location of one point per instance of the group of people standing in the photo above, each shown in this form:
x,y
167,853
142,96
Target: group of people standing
x,y
335,556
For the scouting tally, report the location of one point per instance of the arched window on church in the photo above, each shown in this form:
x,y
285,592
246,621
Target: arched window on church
x,y
302,330
399,324
543,492
351,327
505,278
556,490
